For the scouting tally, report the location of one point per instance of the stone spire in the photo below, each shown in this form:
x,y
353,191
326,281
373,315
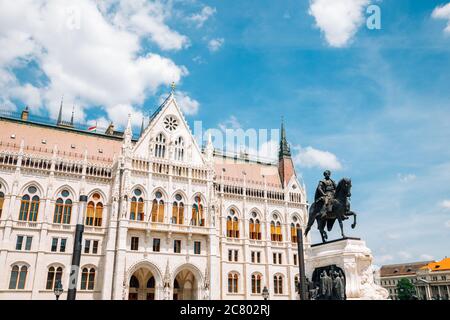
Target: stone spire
x,y
167,276
127,136
73,112
60,111
142,127
209,149
285,164
285,151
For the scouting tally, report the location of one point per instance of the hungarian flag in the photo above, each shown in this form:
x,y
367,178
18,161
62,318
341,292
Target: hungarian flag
x,y
93,128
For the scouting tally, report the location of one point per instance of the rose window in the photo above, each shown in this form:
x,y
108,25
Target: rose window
x,y
170,123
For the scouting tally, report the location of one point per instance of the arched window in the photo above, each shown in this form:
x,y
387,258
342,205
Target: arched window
x,y
87,279
63,208
18,277
160,146
158,208
256,283
294,226
275,229
53,276
151,283
296,282
179,149
94,211
232,225
137,206
134,282
29,206
278,284
233,278
178,210
2,199
255,227
197,212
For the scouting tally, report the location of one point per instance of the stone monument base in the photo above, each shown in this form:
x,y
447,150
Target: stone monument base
x,y
354,258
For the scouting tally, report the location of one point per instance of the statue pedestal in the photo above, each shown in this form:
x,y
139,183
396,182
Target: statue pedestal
x,y
354,258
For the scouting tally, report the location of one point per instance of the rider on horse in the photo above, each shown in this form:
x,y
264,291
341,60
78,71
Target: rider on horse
x,y
325,194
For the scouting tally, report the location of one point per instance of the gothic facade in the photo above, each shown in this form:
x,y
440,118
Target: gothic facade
x,y
164,218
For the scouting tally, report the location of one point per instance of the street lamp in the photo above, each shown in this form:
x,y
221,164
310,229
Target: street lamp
x,y
265,293
58,289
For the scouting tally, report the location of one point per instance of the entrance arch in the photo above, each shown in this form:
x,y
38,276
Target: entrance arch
x,y
186,284
142,285
143,280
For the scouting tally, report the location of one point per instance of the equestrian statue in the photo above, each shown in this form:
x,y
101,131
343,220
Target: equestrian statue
x,y
331,202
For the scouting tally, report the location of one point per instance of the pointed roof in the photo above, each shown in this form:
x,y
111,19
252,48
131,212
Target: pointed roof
x,y
285,151
60,111
142,127
73,111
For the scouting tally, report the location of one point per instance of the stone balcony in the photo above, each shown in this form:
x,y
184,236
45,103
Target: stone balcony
x,y
168,227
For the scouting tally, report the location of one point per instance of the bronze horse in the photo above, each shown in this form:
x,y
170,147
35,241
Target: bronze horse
x,y
340,211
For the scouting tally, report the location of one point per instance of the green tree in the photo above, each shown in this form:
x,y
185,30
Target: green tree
x,y
405,289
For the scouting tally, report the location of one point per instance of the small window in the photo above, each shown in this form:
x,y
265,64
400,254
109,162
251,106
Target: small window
x,y
28,243
62,246
156,244
19,242
177,246
236,255
197,247
134,243
230,255
95,246
295,259
87,246
54,244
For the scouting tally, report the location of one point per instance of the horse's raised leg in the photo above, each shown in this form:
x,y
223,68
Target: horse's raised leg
x,y
341,225
321,226
354,219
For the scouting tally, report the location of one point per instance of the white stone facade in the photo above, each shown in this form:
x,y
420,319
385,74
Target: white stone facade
x,y
177,169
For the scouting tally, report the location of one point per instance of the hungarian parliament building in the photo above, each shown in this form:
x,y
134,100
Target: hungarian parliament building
x,y
164,218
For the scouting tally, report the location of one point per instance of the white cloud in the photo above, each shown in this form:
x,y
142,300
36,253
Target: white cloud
x,y
145,18
188,105
426,257
443,12
309,158
447,224
339,20
406,177
89,51
445,204
384,258
404,255
215,44
200,18
231,123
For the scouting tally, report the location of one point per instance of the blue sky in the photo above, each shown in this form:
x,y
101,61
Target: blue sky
x,y
373,105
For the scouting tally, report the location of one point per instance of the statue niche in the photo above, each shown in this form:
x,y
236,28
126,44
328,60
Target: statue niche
x,y
328,283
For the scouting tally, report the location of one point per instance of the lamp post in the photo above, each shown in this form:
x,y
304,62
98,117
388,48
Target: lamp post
x,y
301,265
58,289
265,293
76,255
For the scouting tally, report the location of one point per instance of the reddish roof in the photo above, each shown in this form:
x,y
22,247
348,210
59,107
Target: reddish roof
x,y
444,264
402,269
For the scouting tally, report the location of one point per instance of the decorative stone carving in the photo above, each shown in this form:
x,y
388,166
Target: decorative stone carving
x,y
355,259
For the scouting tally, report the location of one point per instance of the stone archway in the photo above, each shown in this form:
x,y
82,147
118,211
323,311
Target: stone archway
x,y
144,281
142,285
185,286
